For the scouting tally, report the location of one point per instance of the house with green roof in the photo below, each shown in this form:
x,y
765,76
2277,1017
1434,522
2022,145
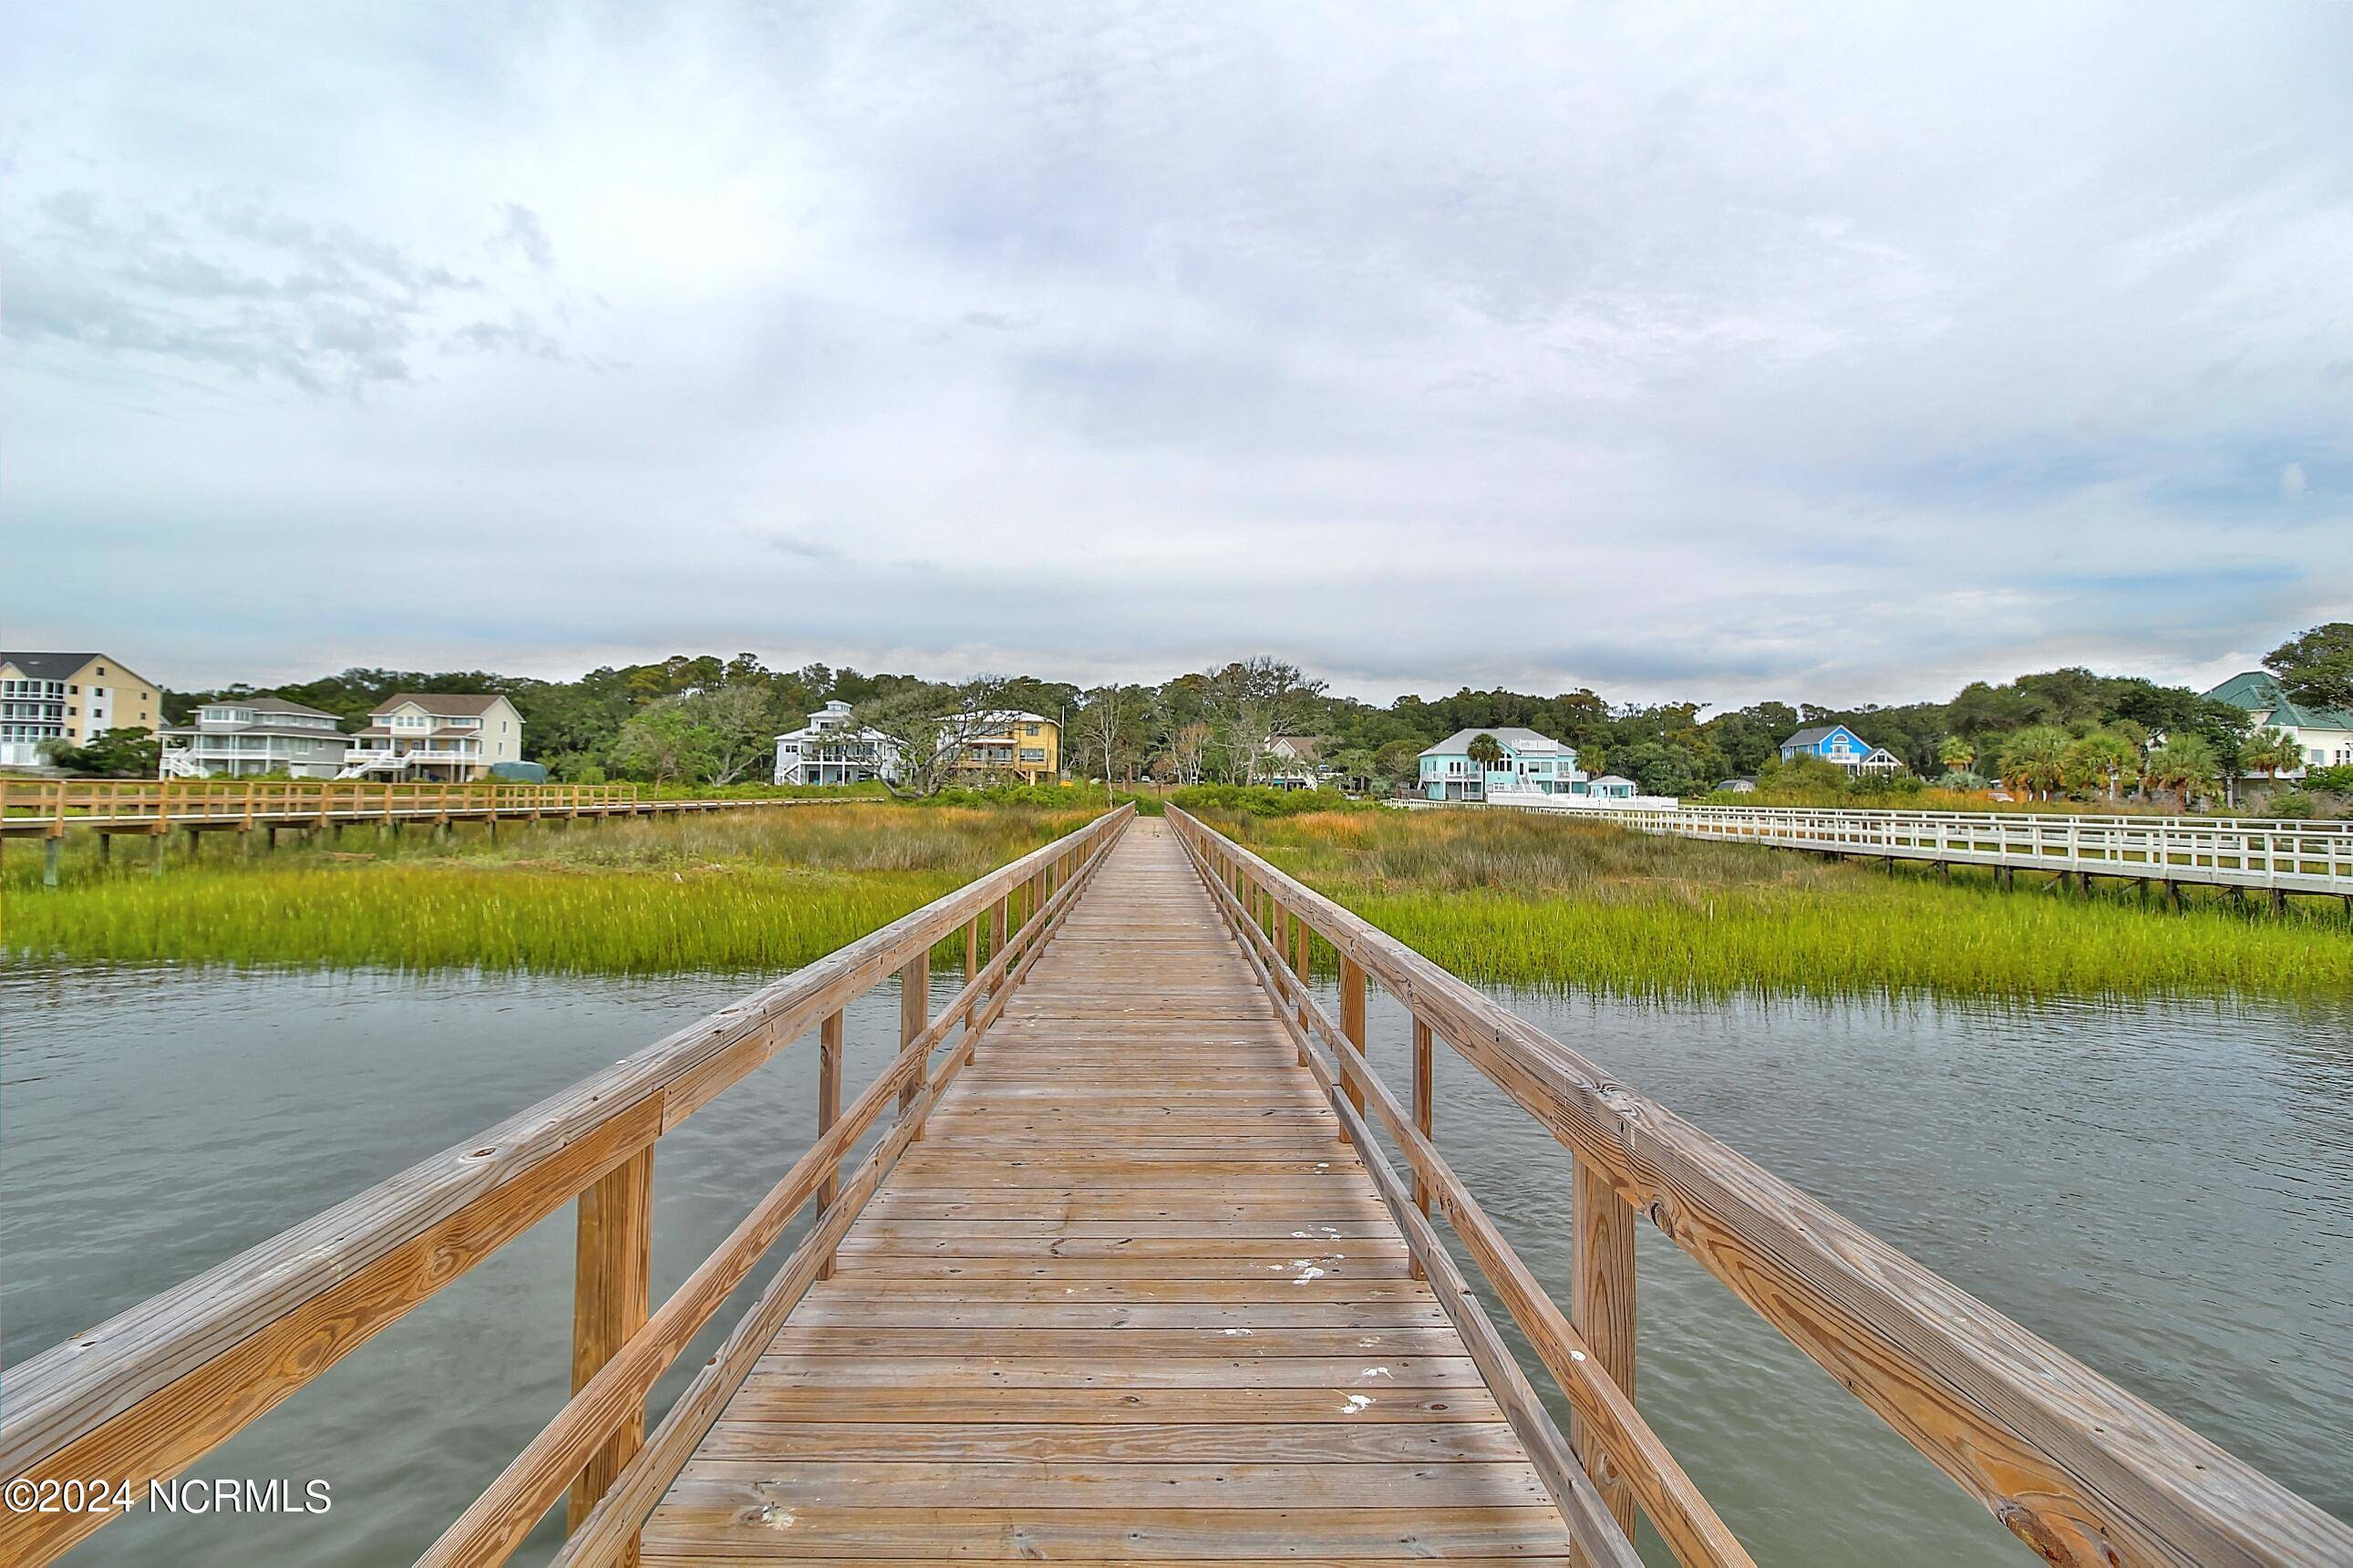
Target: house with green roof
x,y
2324,735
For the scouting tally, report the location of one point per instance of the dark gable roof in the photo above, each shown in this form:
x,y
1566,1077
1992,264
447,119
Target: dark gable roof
x,y
48,666
1812,732
465,704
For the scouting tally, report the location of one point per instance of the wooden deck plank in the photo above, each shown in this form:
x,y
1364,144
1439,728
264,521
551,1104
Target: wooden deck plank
x,y
1131,1300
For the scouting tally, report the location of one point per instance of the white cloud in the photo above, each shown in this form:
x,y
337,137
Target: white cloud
x,y
1698,354
2293,484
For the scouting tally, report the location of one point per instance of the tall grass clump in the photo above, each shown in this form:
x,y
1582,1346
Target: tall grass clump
x,y
1259,800
1516,899
755,890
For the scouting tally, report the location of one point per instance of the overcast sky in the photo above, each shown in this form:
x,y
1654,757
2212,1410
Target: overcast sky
x,y
1841,353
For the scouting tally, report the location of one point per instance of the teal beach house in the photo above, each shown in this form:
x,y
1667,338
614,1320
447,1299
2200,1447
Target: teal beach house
x,y
1531,765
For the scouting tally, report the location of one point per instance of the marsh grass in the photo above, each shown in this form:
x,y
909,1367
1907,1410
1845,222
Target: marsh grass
x,y
759,891
1522,899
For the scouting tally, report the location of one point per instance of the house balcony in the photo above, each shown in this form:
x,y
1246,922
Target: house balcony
x,y
443,762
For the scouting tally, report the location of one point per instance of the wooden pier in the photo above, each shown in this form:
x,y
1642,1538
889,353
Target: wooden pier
x,y
49,809
1145,1266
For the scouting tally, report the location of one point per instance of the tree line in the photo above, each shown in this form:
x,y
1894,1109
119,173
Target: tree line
x,y
715,721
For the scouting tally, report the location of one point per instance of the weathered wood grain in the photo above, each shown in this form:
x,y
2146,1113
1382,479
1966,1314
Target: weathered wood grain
x,y
1601,1306
614,1255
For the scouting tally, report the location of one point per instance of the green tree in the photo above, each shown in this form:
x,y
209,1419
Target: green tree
x,y
665,743
1398,761
932,726
1356,768
1956,753
2315,668
2030,761
2102,760
2188,765
110,754
1485,751
1659,768
2270,753
743,724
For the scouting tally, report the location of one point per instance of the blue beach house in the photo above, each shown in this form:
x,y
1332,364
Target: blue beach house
x,y
1838,745
1532,764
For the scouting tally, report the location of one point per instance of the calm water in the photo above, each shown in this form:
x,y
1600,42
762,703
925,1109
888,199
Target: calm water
x,y
2165,1190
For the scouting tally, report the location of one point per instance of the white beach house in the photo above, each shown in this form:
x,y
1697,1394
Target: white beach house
x,y
834,748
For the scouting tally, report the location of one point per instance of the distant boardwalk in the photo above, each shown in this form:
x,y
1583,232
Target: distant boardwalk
x,y
50,808
2272,857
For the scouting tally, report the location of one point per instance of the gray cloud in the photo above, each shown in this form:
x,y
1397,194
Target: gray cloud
x,y
1711,354
225,278
524,234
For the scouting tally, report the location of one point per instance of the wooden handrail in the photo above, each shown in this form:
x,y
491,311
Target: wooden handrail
x,y
499,1520
2079,1468
1683,1514
154,1388
608,1536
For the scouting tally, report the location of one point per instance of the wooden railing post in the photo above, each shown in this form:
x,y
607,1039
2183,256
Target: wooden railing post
x,y
828,1111
609,1301
914,1017
1601,1308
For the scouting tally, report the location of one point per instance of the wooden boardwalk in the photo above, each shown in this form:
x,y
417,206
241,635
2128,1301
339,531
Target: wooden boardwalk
x,y
1130,1299
1108,1287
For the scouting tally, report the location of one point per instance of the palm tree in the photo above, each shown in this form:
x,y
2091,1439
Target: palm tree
x,y
1485,751
1956,752
2270,753
2029,760
2186,764
2100,760
1355,767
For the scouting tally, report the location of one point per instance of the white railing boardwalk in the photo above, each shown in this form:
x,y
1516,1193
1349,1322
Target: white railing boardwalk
x,y
2275,856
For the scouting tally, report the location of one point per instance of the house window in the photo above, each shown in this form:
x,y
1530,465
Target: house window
x,y
1029,730
1033,754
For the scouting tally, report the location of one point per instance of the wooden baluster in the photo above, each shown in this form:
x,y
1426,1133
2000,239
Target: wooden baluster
x,y
1601,1308
914,1017
828,1111
1425,1104
609,1299
971,965
1004,926
1285,923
